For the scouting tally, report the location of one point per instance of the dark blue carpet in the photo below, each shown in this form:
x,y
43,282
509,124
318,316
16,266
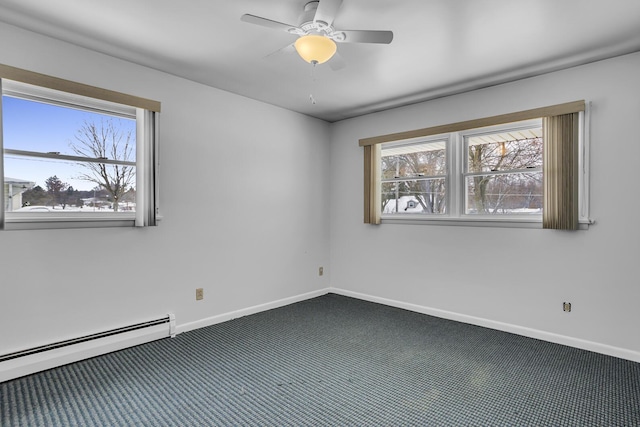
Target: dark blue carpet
x,y
333,361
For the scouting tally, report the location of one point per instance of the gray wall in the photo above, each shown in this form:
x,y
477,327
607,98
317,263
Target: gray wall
x,y
244,201
512,279
255,198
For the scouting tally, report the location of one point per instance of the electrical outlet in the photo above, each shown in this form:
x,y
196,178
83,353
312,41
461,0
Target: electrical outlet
x,y
199,294
320,271
566,306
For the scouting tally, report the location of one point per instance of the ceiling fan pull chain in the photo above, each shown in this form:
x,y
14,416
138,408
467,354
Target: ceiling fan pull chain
x,y
313,80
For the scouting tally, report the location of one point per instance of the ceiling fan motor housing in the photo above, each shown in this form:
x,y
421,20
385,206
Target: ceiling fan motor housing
x,y
307,24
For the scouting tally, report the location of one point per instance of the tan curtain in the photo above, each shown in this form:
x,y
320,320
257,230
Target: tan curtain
x,y
560,172
372,184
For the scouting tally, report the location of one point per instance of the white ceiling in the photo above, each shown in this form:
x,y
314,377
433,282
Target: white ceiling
x,y
440,47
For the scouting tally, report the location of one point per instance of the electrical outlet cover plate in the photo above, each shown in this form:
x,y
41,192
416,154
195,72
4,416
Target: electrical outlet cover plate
x,y
199,294
566,306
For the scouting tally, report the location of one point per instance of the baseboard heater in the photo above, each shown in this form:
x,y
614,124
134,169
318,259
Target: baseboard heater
x,y
170,319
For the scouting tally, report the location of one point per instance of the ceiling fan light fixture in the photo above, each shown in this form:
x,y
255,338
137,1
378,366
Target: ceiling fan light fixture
x,y
315,49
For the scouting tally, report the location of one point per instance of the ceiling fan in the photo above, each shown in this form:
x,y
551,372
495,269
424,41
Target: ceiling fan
x,y
317,37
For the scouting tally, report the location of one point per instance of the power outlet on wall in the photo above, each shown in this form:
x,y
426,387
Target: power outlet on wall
x,y
199,294
320,271
566,306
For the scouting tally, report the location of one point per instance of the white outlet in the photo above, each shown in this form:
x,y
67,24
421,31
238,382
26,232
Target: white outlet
x,y
320,271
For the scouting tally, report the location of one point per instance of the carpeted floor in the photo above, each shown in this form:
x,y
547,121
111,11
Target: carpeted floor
x,y
333,361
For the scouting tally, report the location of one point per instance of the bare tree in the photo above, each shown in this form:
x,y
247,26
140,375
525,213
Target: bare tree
x,y
504,177
107,141
490,192
428,193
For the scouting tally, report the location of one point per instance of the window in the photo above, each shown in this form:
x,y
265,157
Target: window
x,y
75,160
485,171
414,177
503,171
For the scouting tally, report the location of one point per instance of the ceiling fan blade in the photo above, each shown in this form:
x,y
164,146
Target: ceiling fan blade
x,y
264,22
327,11
337,62
367,36
282,51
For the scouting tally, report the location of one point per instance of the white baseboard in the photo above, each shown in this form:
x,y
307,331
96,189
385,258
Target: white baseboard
x,y
26,365
609,350
39,362
250,310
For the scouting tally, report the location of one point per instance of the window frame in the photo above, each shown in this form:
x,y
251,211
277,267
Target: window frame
x,y
41,88
457,158
446,138
463,172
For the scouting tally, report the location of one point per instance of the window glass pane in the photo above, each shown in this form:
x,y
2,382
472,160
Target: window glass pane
x,y
36,126
41,184
67,187
409,161
414,196
511,193
503,151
